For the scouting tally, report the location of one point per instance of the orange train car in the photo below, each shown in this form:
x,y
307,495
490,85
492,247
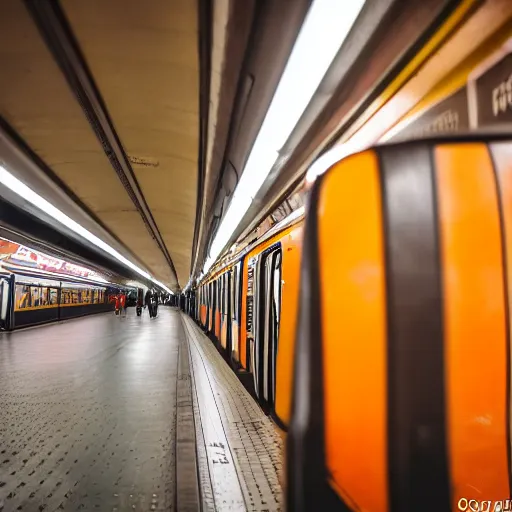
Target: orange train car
x,y
249,308
401,394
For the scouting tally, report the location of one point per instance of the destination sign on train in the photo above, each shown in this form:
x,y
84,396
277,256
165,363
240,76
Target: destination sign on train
x,y
494,94
448,116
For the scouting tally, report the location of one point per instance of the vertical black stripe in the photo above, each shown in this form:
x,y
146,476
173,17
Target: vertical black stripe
x,y
417,451
499,194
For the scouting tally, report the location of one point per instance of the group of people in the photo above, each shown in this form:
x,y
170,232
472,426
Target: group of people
x,y
150,300
119,303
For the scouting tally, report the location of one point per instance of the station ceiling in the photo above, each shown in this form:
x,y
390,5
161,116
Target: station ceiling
x,y
136,118
140,113
143,60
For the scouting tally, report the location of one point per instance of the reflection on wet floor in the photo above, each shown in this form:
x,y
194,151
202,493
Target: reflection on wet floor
x,y
88,413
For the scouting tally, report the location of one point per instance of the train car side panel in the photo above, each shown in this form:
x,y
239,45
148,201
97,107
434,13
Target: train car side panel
x,y
353,316
291,251
475,322
246,292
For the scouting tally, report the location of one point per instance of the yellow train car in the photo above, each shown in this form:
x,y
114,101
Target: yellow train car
x,y
248,306
401,395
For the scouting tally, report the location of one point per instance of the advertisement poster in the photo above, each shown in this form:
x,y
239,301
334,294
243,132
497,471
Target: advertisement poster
x,y
16,254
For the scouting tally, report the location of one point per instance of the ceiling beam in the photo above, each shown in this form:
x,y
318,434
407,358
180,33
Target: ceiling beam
x,y
205,13
28,229
60,40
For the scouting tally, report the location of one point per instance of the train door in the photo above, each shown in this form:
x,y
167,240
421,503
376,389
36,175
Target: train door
x,y
251,269
214,306
202,311
267,309
224,312
255,347
271,326
208,292
218,312
229,306
235,312
210,305
7,287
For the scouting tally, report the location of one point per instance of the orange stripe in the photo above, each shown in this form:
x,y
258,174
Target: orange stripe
x,y
502,155
217,324
354,331
474,311
291,245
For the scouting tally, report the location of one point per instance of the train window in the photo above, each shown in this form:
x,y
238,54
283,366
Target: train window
x,y
256,320
219,290
227,297
221,294
238,290
35,292
267,305
44,299
5,285
53,296
23,297
274,323
225,291
250,291
232,292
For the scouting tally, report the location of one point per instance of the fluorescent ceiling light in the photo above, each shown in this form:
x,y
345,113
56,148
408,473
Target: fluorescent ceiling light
x,y
18,187
326,26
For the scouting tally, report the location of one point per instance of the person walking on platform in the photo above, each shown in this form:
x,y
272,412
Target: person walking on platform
x,y
123,304
155,303
147,301
115,299
139,305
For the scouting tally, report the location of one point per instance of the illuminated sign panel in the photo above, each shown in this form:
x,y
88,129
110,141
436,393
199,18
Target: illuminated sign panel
x,y
16,254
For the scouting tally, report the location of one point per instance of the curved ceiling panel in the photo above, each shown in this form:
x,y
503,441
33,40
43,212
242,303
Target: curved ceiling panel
x,y
36,101
144,59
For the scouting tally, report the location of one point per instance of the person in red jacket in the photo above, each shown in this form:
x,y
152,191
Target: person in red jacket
x,y
116,300
122,303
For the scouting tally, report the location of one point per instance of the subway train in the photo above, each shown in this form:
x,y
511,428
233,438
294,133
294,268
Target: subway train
x,y
376,328
248,306
31,297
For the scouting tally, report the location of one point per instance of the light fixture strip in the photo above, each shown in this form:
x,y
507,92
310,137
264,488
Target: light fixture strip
x,y
325,28
18,187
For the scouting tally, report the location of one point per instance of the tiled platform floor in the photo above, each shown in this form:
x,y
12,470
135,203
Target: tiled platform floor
x,y
99,414
239,438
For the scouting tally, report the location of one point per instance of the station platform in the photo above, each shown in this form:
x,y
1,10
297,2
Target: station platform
x,y
109,413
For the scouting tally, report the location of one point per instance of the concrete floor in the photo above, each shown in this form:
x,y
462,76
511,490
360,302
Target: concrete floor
x,y
116,414
88,414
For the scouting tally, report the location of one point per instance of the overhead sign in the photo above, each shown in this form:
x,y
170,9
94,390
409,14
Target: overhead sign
x,y
17,254
448,116
493,94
